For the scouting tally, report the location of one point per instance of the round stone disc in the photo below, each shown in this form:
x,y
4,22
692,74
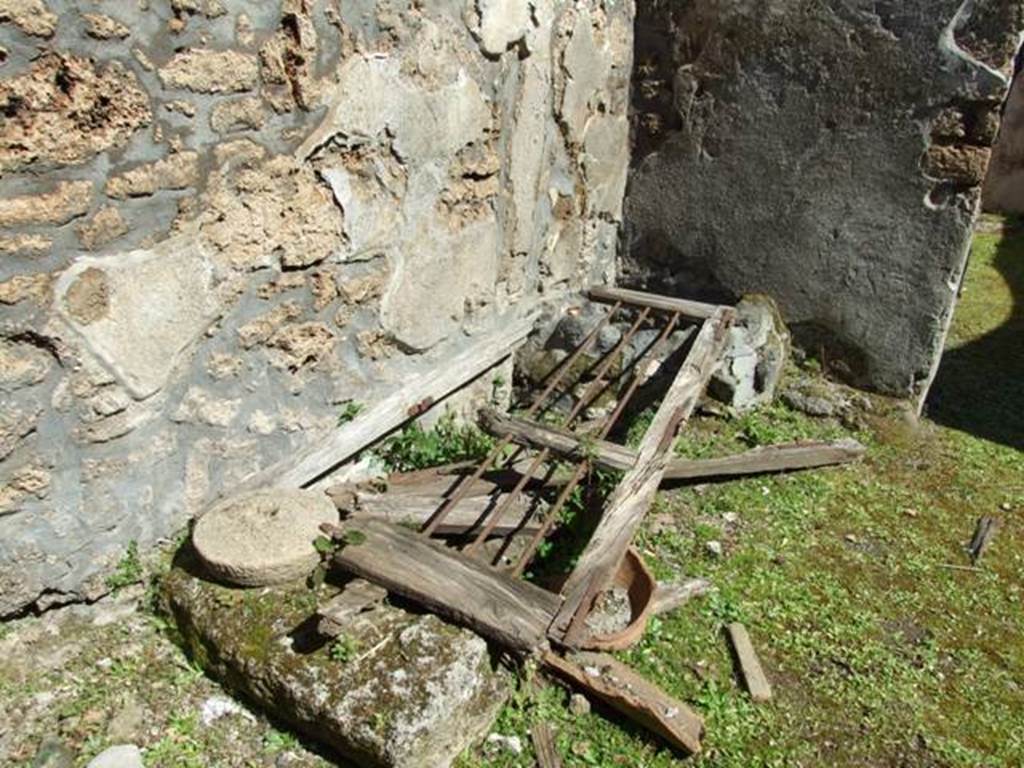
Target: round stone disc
x,y
262,537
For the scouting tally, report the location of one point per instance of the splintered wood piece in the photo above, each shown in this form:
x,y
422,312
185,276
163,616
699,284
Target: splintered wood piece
x,y
603,677
634,494
696,310
544,746
773,458
400,507
560,441
984,533
750,666
308,465
668,596
356,597
511,612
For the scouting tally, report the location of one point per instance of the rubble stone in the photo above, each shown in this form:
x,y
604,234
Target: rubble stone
x,y
416,694
501,23
754,357
27,244
105,226
103,27
208,71
33,17
176,171
49,125
67,200
238,115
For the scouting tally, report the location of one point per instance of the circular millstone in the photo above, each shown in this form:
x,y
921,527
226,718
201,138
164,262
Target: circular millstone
x,y
263,537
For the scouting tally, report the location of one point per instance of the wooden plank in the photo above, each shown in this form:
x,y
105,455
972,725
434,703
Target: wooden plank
x,y
634,494
603,677
544,746
750,666
668,596
511,612
693,309
465,518
984,533
356,597
774,458
607,455
560,441
412,397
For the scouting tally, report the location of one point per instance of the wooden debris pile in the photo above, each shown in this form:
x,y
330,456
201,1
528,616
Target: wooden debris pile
x,y
430,538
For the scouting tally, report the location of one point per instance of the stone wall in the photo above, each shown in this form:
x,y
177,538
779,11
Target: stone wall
x,y
1003,191
828,154
220,220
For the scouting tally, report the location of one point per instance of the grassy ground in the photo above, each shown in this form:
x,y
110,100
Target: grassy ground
x,y
879,655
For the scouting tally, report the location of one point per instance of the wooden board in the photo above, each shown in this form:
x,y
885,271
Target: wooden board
x,y
693,309
513,613
750,666
559,441
668,596
544,746
400,507
356,597
774,458
608,455
608,680
416,393
634,494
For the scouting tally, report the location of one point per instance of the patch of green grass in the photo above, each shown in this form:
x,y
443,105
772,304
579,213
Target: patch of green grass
x,y
129,569
878,654
447,442
343,649
349,410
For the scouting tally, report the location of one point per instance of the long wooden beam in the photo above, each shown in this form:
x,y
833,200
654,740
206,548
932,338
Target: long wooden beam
x,y
607,455
634,494
696,310
784,457
512,612
559,441
416,393
615,684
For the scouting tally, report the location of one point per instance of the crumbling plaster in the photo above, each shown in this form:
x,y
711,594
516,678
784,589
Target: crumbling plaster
x,y
219,221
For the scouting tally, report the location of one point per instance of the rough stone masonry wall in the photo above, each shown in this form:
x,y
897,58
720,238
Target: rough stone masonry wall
x,y
222,219
827,153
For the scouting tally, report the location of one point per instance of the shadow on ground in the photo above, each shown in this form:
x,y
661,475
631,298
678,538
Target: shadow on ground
x,y
980,385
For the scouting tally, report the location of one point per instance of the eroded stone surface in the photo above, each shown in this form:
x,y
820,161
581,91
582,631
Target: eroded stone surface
x,y
417,692
47,123
108,224
156,303
501,23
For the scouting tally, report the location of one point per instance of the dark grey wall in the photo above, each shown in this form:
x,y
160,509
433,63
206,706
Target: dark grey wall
x,y
828,153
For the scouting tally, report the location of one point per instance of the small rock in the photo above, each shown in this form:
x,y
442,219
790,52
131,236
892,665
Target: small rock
x,y
126,724
755,355
579,705
730,518
121,756
53,754
714,548
508,743
574,327
216,707
1005,506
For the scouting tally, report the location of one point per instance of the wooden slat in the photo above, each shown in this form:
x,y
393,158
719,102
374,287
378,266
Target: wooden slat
x,y
560,441
607,455
544,746
774,458
603,677
750,666
509,611
668,596
693,309
416,393
634,494
356,597
464,519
